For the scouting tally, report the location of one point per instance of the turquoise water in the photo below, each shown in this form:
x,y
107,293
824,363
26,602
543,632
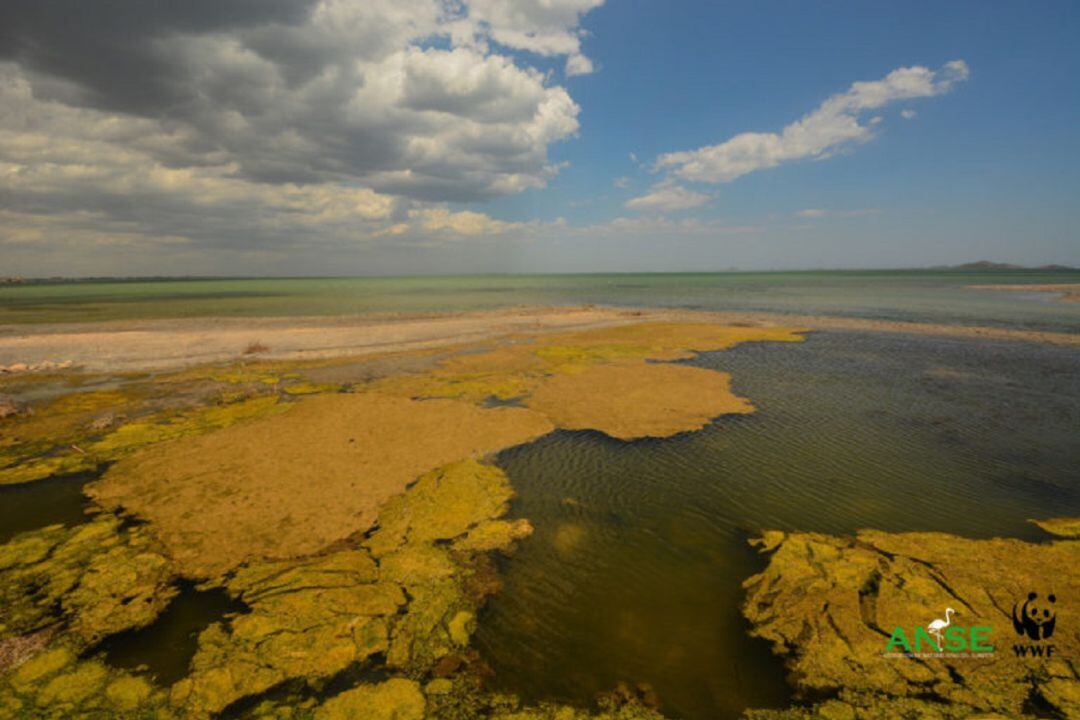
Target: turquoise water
x,y
932,296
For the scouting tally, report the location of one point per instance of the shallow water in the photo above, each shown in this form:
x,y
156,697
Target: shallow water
x,y
165,647
58,500
634,572
931,296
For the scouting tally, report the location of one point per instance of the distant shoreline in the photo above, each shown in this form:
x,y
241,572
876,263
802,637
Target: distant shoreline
x,y
988,268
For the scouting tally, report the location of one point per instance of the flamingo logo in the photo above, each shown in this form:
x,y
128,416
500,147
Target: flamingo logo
x,y
937,627
940,636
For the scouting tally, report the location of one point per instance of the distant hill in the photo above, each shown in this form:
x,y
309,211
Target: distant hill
x,y
987,265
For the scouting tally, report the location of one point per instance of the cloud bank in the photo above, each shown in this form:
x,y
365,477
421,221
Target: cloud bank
x,y
218,122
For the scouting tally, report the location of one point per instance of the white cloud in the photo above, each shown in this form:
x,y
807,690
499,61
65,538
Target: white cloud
x,y
544,27
621,182
465,222
666,196
908,114
831,127
811,213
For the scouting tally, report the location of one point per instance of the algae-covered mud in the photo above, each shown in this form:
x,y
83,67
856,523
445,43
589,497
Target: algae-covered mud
x,y
349,526
638,519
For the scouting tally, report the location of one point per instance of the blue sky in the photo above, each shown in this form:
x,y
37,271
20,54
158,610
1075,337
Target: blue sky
x,y
989,169
344,137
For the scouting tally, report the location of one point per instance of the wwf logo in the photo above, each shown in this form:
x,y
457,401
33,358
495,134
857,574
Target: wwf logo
x,y
1035,618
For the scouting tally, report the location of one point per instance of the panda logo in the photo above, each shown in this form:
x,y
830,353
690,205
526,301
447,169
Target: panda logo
x,y
1035,618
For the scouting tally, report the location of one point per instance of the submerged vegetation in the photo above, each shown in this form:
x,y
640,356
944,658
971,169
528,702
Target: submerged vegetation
x,y
354,524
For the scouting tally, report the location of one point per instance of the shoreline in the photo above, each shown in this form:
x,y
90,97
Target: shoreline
x,y
154,345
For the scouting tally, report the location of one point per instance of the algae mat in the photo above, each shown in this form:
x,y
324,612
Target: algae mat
x,y
305,476
296,482
830,606
354,522
628,401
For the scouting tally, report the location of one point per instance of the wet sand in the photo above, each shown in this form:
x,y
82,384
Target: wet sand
x,y
132,346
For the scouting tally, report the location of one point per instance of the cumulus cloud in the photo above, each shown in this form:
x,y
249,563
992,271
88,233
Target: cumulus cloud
x,y
831,127
248,121
334,90
908,114
667,196
544,27
464,222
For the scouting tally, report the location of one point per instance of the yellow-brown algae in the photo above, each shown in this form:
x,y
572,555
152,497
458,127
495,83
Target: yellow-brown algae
x,y
97,578
600,379
291,484
1062,527
395,699
636,399
313,617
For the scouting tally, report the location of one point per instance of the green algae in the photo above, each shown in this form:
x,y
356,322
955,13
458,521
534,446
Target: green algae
x,y
494,535
442,505
1061,527
403,596
463,699
41,468
78,431
395,699
95,580
55,684
308,388
170,427
47,453
308,619
828,605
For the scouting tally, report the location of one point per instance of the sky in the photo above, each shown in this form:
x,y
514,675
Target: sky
x,y
357,137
